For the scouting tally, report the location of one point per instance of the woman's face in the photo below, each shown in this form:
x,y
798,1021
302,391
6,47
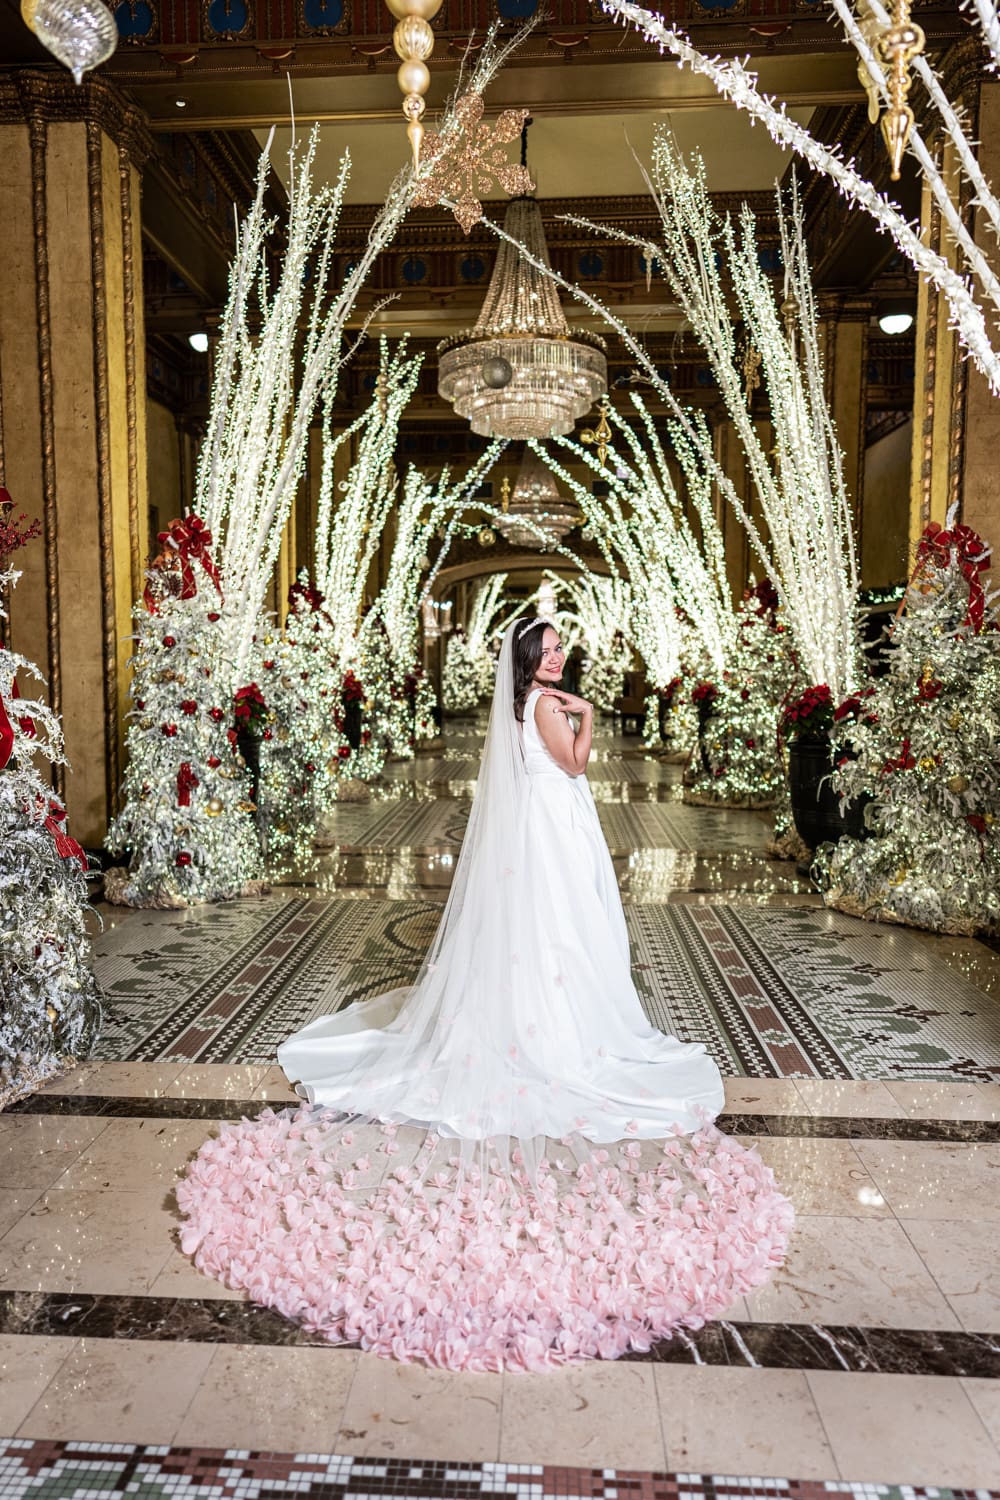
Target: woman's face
x,y
550,668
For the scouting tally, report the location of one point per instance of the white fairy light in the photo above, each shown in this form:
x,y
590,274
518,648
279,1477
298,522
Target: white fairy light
x,y
279,355
741,86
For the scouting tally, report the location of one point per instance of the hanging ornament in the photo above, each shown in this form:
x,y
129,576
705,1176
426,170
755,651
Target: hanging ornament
x,y
958,784
51,1014
600,435
463,170
497,372
413,40
81,34
752,360
214,806
899,45
487,537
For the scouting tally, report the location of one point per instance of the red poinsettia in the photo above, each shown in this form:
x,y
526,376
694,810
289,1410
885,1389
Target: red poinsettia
x,y
705,692
853,708
352,690
668,693
904,761
810,714
250,708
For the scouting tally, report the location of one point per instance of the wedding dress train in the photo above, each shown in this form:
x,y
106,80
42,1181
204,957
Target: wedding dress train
x,y
443,1194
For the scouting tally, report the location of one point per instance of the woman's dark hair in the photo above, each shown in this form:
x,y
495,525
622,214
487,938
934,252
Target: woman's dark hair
x,y
527,658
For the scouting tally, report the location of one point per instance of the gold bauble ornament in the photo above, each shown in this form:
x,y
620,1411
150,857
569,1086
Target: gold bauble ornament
x,y
269,640
927,764
958,784
955,722
51,1014
214,806
899,876
413,76
247,807
425,9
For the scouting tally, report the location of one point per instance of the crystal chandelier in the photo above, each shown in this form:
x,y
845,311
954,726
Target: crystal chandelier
x,y
536,499
520,373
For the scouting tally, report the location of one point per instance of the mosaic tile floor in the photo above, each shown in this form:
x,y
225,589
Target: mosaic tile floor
x,y
772,992
81,1471
862,1062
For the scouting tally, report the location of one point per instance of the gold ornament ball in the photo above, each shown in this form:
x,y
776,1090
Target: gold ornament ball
x,y
899,876
955,722
52,1015
927,764
214,806
413,76
958,784
487,537
425,9
413,37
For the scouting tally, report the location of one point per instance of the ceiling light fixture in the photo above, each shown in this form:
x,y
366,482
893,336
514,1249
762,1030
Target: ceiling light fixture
x,y
198,342
895,315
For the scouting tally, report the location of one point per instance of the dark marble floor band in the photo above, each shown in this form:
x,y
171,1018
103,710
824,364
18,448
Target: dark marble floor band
x,y
789,1127
772,1346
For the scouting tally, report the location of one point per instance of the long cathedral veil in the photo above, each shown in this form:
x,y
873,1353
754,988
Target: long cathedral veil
x,y
442,1195
439,1053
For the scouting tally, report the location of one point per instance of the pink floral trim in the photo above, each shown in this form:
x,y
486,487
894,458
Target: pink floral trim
x,y
450,1265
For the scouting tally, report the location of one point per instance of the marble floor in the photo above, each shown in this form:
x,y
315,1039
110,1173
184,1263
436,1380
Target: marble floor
x,y
863,1062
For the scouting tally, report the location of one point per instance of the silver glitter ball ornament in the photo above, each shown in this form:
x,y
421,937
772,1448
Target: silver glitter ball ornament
x,y
497,372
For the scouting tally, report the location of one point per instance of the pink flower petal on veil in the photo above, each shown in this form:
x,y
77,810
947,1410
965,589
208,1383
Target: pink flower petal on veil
x,y
463,1269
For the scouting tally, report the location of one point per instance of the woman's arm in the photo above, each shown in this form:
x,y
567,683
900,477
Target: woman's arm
x,y
569,747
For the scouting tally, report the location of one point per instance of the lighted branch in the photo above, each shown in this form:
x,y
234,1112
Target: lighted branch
x,y
738,84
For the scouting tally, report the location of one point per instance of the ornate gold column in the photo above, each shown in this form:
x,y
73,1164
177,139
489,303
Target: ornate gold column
x,y
956,422
73,406
843,325
975,425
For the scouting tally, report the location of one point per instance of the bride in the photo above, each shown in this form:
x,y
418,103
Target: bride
x,y
443,1193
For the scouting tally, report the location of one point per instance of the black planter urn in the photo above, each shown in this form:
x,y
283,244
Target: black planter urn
x,y
815,805
248,745
352,723
706,715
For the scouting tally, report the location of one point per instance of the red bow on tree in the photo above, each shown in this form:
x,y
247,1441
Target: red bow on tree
x,y
26,724
972,555
66,847
186,783
191,539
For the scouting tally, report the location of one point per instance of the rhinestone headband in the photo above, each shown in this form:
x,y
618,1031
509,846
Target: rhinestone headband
x,y
530,626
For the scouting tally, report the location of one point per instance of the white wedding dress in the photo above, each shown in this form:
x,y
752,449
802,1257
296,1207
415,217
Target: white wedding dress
x,y
503,1236
545,1033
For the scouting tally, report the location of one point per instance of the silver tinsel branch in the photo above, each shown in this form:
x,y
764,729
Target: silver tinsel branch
x,y
741,86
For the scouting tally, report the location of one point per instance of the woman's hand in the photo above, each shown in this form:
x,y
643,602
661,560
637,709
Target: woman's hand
x,y
567,703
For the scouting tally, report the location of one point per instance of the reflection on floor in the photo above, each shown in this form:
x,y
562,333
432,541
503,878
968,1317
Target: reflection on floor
x,y
864,1062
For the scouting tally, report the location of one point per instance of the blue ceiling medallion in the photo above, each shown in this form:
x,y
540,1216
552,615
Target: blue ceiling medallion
x,y
516,10
590,263
323,17
136,20
472,268
414,270
227,18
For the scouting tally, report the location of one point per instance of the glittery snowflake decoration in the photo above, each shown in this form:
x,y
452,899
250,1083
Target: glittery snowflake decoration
x,y
462,171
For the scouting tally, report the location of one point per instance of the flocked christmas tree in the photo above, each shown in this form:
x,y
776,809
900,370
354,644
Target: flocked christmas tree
x,y
51,1011
738,760
187,816
300,762
925,751
460,677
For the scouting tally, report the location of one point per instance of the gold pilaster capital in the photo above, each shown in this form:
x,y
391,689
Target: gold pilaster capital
x,y
32,97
